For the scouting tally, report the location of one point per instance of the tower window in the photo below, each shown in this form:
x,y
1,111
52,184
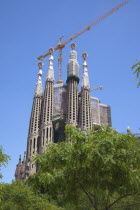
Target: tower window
x,y
47,133
34,143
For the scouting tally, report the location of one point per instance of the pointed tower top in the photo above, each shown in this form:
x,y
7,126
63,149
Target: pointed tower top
x,y
85,77
128,130
73,66
19,159
40,64
73,45
51,51
38,90
50,73
24,159
73,53
84,55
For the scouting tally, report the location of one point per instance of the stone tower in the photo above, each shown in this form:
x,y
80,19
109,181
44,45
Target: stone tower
x,y
85,106
47,108
72,91
60,104
20,168
33,133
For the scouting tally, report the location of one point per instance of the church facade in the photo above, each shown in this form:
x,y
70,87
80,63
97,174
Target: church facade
x,y
58,105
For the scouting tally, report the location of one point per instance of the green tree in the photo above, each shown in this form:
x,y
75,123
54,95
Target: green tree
x,y
102,165
19,196
3,160
136,68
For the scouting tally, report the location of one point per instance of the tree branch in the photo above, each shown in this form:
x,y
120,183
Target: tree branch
x,y
134,204
107,198
91,194
120,199
87,193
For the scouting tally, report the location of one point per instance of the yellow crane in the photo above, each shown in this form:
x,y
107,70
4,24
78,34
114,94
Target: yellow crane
x,y
61,44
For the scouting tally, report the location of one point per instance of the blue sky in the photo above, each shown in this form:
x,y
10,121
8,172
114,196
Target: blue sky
x,y
30,27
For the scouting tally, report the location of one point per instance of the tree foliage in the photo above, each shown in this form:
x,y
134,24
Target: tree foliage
x,y
103,166
19,196
136,68
3,159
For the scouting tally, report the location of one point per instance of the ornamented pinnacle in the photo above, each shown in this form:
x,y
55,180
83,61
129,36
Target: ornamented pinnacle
x,y
84,55
73,66
51,51
73,46
85,77
73,53
40,64
50,73
19,159
38,90
128,130
24,157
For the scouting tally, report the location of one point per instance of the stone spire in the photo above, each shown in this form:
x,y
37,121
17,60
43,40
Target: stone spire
x,y
23,165
34,126
19,162
73,66
72,81
85,78
38,90
18,169
85,106
47,107
24,159
128,130
50,72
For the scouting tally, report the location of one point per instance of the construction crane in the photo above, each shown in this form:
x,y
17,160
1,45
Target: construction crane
x,y
98,88
60,61
61,44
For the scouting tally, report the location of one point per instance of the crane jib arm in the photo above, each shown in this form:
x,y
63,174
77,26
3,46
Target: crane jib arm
x,y
62,45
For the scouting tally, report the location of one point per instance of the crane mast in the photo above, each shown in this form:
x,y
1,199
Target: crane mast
x,y
61,44
60,62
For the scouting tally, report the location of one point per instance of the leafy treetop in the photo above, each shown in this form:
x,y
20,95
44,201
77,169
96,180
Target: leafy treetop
x,y
103,165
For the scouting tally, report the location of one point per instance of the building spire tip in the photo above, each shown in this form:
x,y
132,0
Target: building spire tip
x,y
20,159
38,90
51,50
50,72
85,77
73,46
84,55
40,64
